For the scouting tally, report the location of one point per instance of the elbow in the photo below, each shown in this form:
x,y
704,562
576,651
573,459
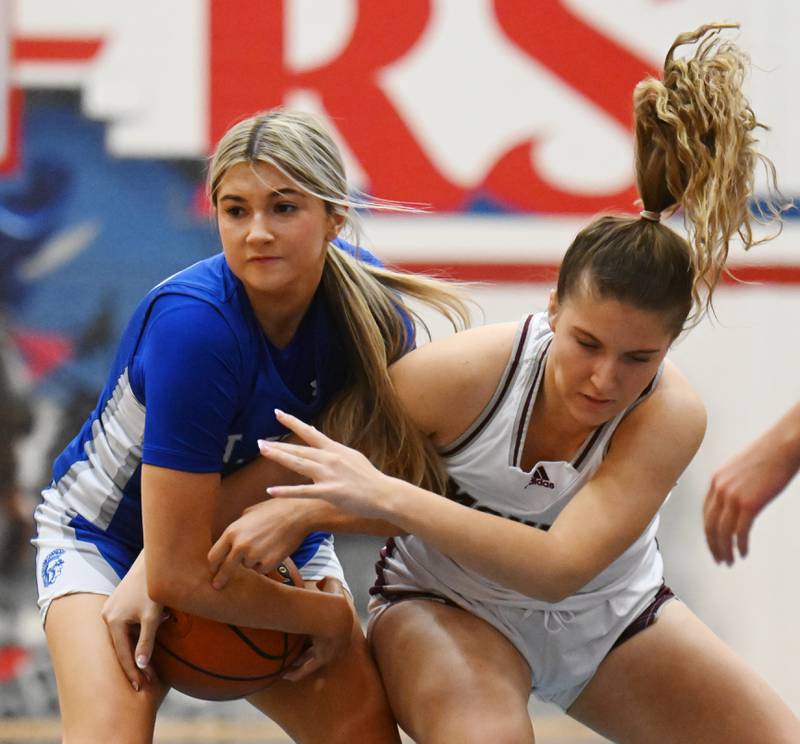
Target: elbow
x,y
561,572
561,584
171,588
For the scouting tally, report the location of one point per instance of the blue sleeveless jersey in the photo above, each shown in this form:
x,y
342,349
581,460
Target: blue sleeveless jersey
x,y
194,384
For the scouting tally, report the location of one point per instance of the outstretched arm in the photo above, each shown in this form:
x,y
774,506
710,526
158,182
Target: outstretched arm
x,y
255,531
745,484
649,451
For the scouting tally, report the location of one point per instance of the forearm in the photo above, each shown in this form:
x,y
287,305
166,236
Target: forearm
x,y
785,436
320,515
249,599
246,487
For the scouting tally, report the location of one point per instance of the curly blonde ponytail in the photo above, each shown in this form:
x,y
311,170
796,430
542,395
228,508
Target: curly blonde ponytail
x,y
695,149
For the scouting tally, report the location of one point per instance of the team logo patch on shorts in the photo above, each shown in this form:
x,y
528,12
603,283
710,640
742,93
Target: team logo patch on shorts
x,y
51,568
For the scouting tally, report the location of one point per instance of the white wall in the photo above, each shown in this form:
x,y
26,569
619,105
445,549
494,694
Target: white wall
x,y
746,369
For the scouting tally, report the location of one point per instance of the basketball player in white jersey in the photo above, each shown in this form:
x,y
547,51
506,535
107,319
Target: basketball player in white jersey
x,y
562,437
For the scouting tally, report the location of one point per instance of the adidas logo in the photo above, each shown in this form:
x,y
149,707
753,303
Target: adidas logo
x,y
540,478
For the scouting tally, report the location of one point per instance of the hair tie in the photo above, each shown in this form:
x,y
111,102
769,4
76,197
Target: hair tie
x,y
646,214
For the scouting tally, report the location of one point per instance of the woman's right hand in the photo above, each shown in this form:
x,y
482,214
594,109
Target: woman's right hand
x,y
739,492
333,643
340,475
133,620
746,483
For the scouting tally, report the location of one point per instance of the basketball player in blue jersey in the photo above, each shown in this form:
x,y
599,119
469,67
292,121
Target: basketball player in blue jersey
x,y
560,439
285,316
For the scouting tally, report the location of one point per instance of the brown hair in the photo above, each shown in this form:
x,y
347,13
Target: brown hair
x,y
694,149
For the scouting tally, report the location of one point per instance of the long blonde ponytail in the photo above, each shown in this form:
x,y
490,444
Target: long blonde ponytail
x,y
367,414
695,149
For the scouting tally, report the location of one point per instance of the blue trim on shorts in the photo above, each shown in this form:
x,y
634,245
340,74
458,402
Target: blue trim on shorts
x,y
308,548
118,555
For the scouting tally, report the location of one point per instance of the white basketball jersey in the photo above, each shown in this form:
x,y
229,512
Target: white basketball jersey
x,y
485,474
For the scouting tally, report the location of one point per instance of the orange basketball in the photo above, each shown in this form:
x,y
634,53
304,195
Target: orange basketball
x,y
216,661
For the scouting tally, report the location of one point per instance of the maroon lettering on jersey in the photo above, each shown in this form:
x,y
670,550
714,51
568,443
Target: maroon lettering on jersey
x,y
455,493
540,478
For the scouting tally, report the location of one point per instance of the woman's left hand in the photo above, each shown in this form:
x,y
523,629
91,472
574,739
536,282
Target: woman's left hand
x,y
341,475
133,620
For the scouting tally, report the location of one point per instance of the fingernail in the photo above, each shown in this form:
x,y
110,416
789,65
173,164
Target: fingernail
x,y
278,412
269,490
141,661
263,444
135,686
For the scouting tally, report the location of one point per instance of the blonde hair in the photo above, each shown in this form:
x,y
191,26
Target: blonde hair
x,y
695,148
367,302
367,414
299,146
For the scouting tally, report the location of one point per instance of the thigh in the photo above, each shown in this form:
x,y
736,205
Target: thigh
x,y
343,702
677,682
96,699
450,676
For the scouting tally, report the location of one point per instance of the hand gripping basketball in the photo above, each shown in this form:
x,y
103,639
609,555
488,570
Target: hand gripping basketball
x,y
216,661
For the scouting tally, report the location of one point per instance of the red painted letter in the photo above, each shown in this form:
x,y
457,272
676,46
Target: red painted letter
x,y
248,73
585,60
